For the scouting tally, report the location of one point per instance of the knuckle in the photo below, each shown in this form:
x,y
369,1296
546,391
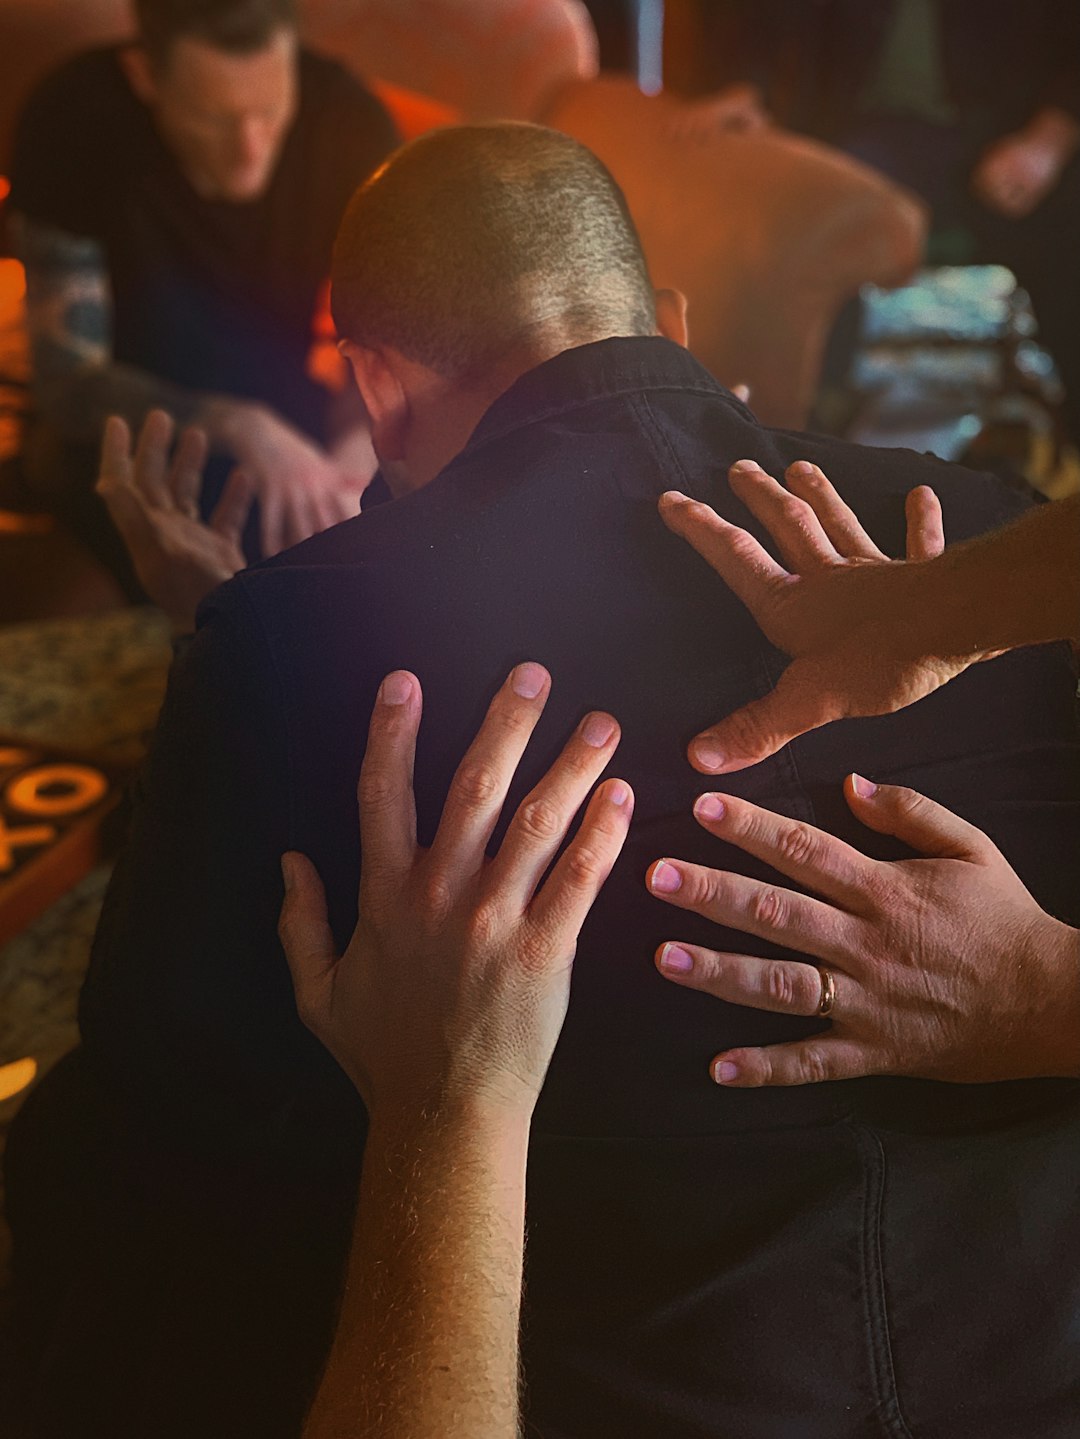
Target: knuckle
x,y
584,865
798,845
743,730
376,791
535,950
780,986
909,802
814,1065
793,508
484,925
768,908
435,900
476,785
540,820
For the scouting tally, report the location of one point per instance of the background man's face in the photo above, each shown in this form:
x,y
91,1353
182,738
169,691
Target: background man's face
x,y
226,116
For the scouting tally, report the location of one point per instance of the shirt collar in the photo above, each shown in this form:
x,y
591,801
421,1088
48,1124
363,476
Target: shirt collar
x,y
600,370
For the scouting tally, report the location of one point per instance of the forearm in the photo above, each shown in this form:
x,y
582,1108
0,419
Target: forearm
x,y
1017,586
77,400
427,1339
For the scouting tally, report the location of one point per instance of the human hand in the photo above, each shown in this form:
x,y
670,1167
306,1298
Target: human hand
x,y
846,613
1017,172
177,557
301,489
454,986
737,109
942,968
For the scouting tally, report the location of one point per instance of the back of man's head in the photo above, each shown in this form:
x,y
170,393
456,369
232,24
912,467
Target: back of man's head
x,y
475,245
239,27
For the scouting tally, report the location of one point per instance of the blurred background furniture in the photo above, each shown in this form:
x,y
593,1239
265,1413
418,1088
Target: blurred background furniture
x,y
766,234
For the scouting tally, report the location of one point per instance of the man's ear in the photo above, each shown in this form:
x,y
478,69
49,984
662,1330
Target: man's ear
x,y
139,73
384,399
671,316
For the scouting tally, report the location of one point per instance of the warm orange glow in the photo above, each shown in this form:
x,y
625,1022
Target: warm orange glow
x,y
12,292
5,188
14,1078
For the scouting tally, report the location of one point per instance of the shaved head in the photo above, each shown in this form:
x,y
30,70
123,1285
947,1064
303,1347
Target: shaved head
x,y
475,244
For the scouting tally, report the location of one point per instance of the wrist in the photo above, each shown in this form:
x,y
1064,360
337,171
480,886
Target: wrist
x,y
1057,950
402,1125
949,610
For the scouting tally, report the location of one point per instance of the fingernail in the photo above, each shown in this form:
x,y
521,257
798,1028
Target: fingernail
x,y
724,1071
396,689
675,497
666,879
673,957
597,729
528,680
801,467
710,807
619,793
864,788
707,755
745,466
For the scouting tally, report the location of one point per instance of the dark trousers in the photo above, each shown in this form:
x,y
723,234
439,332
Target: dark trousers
x,y
908,1267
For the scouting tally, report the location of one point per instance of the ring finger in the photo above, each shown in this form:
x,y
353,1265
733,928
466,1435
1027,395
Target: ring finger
x,y
781,986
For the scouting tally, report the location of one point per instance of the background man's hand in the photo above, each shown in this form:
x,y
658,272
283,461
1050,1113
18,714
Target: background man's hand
x,y
944,968
842,609
454,986
301,489
1017,172
154,504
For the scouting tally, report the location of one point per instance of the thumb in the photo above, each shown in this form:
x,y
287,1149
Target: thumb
x,y
304,931
801,701
929,828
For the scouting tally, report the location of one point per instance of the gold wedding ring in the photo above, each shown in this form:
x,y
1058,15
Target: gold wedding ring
x,y
828,992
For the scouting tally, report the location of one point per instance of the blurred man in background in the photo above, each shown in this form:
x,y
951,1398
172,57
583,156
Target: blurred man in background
x,y
175,203
973,104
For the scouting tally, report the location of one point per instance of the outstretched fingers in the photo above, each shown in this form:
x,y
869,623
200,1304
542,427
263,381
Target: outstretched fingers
x,y
839,521
927,827
233,509
779,986
925,526
186,473
741,562
791,520
806,697
817,1060
782,916
305,934
560,908
480,786
545,815
818,861
385,789
152,459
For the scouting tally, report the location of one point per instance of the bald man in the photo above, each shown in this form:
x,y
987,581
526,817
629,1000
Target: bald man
x,y
702,1261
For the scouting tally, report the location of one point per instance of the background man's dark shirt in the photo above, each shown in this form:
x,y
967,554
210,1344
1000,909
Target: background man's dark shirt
x,y
702,1263
214,296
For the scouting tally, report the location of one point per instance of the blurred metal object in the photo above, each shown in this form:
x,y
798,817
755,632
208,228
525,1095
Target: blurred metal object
x,y
647,21
950,364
